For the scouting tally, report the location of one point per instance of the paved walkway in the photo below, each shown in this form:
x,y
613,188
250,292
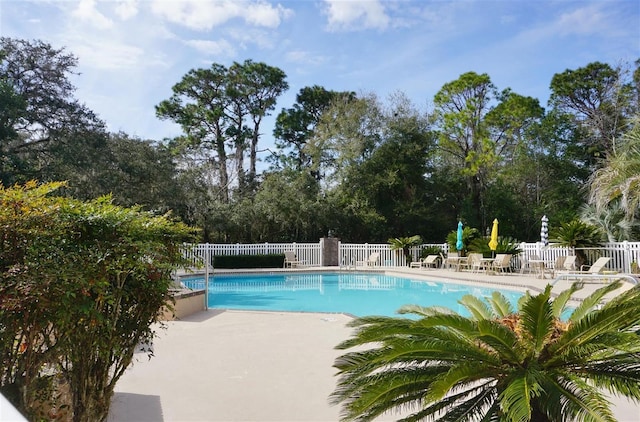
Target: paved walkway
x,y
255,366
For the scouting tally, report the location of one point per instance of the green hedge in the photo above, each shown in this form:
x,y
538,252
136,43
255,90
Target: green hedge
x,y
249,261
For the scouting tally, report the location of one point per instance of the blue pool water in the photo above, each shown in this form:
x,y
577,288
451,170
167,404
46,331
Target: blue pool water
x,y
358,294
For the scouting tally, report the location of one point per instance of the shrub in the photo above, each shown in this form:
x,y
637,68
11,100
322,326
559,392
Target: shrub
x,y
81,283
431,250
249,261
468,235
577,234
506,245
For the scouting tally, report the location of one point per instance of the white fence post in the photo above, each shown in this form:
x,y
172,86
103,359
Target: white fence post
x,y
627,257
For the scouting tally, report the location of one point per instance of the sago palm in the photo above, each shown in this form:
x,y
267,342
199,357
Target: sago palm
x,y
497,365
578,235
404,244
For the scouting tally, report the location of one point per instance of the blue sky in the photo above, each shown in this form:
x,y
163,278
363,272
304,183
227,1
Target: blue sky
x,y
131,52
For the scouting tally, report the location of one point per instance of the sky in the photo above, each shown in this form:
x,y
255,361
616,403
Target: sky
x,y
131,52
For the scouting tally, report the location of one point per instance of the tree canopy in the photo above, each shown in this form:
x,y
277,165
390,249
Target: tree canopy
x,y
366,168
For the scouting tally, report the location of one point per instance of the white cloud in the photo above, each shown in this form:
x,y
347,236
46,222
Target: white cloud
x,y
246,37
304,57
126,9
263,14
583,21
356,14
87,12
217,48
206,14
109,55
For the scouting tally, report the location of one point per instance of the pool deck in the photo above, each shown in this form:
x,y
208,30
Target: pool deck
x,y
223,365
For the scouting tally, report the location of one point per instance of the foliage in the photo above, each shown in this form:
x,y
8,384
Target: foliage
x,y
506,245
404,244
598,98
39,115
220,111
295,127
249,261
365,168
576,234
469,234
431,250
81,284
614,189
497,364
479,130
610,220
383,190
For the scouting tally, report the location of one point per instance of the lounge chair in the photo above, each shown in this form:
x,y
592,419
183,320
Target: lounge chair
x,y
569,263
454,261
565,264
291,261
372,261
559,264
502,263
596,268
426,262
474,262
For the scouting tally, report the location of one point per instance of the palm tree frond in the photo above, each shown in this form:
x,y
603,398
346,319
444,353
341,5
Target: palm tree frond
x,y
590,302
478,308
515,399
560,302
501,305
424,311
537,319
501,339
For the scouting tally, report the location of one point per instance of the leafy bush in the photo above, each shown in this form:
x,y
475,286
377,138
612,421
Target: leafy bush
x,y
81,284
249,261
577,234
431,250
404,244
506,245
468,236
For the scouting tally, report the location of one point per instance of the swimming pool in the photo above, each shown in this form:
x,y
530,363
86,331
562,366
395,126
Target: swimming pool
x,y
358,294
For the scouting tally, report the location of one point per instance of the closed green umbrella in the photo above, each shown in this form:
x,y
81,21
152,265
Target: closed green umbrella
x,y
459,244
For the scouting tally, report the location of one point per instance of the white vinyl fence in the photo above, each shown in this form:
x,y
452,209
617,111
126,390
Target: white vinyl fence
x,y
622,254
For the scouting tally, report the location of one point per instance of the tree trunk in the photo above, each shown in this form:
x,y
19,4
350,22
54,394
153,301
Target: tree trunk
x,y
252,157
222,167
536,414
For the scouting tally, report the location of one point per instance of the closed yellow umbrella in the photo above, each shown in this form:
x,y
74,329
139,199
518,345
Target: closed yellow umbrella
x,y
493,243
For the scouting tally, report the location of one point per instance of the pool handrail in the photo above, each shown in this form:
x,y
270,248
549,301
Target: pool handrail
x,y
601,277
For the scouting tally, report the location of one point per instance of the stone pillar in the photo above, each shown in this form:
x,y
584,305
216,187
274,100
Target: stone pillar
x,y
329,251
